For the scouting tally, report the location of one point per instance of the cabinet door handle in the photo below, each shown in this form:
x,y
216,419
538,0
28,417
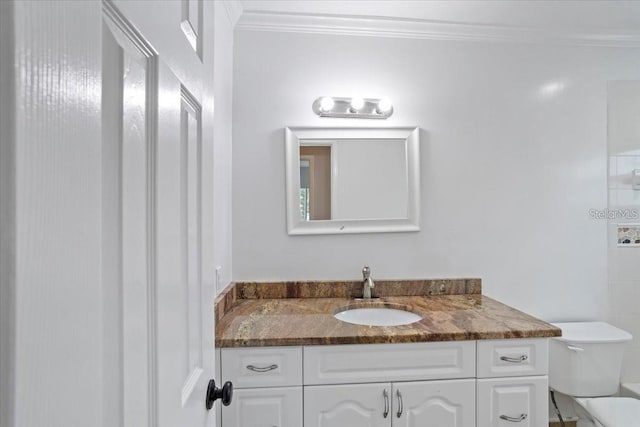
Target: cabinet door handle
x,y
400,405
522,417
263,369
514,359
386,403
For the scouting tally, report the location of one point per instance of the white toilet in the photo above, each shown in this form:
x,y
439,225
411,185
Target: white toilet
x,y
585,363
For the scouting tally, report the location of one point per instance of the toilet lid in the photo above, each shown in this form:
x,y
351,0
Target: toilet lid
x,y
591,333
615,411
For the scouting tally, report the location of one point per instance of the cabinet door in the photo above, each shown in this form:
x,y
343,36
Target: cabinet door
x,y
264,407
358,405
442,403
513,402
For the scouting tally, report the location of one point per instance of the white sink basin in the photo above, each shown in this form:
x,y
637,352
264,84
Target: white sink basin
x,y
377,316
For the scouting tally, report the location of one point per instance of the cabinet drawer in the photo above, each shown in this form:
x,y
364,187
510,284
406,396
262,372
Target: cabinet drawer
x,y
262,366
368,363
513,402
258,407
514,357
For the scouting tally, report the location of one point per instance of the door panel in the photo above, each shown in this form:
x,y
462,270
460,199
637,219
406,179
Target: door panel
x,y
128,67
190,140
447,403
359,405
184,363
258,407
185,303
192,23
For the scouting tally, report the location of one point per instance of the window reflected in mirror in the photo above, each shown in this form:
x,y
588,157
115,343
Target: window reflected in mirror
x,y
305,189
315,183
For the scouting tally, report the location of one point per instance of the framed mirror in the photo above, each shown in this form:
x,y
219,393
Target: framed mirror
x,y
352,180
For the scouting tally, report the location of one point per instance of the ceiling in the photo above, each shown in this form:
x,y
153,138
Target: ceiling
x,y
609,21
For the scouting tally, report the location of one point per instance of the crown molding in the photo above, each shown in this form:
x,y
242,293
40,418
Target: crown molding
x,y
234,10
424,29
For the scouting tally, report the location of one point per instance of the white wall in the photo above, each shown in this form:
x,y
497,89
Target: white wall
x,y
223,87
624,263
513,156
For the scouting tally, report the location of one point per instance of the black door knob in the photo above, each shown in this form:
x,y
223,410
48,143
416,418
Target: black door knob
x,y
214,393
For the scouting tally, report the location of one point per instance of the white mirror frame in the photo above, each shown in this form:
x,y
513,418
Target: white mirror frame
x,y
296,226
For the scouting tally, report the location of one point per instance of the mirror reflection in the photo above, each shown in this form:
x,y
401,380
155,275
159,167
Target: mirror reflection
x,y
352,180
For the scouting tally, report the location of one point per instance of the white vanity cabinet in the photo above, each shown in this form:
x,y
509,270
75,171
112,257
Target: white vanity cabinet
x,y
449,384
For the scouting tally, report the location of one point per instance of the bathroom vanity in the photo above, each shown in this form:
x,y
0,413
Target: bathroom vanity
x,y
469,361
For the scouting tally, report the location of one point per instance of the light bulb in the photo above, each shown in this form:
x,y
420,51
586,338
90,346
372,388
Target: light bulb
x,y
357,103
326,103
384,105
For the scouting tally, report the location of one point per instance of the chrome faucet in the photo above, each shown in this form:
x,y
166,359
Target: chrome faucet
x,y
368,282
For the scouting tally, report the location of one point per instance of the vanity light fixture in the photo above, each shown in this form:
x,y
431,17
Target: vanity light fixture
x,y
356,108
384,105
356,104
326,103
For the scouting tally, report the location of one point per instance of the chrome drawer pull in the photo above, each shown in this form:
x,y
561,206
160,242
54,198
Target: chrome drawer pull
x,y
265,369
522,417
400,404
514,359
386,403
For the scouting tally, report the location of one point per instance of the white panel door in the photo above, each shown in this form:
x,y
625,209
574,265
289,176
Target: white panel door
x,y
158,215
109,166
358,405
260,407
445,403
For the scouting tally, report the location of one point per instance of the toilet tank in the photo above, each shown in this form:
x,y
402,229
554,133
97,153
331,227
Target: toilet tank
x,y
586,360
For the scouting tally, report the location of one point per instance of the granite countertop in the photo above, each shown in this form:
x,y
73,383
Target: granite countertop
x,y
251,314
